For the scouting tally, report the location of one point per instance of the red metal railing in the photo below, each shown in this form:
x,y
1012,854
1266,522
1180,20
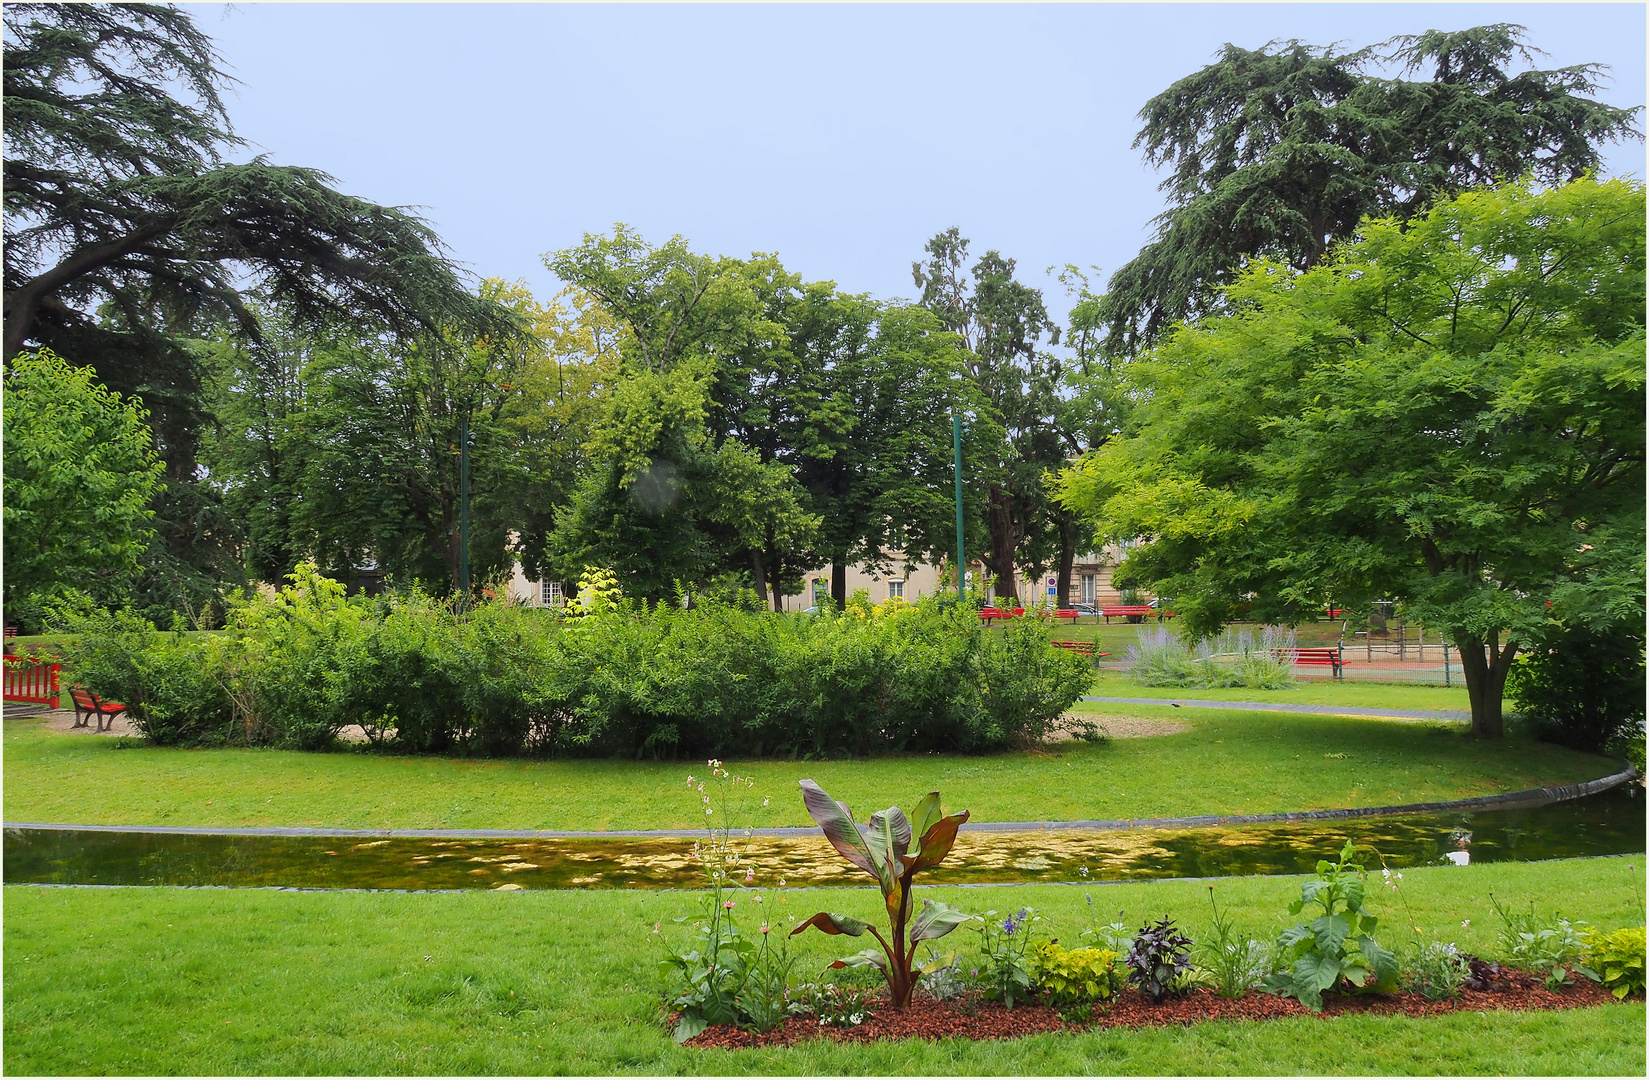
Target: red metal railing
x,y
30,680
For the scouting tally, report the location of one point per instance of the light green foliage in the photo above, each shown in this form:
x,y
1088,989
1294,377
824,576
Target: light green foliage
x,y
1337,949
1617,958
1068,977
1554,947
81,472
892,849
1446,413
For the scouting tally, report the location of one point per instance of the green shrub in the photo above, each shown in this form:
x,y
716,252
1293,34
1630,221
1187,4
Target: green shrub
x,y
294,667
1618,960
1232,659
1585,689
1068,977
167,681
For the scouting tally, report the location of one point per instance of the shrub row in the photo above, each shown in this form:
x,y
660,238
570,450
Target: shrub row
x,y
294,668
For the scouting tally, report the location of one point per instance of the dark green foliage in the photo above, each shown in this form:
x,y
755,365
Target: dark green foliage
x,y
1158,959
1278,152
1583,687
717,679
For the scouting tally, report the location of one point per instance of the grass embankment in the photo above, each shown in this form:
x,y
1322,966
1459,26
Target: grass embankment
x,y
1226,763
255,981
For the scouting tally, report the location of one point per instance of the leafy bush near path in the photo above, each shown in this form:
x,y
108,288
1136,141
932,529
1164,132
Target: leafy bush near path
x,y
293,669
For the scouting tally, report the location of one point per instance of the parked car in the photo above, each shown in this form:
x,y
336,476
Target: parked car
x,y
1086,609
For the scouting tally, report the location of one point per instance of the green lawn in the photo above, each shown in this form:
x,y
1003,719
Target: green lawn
x,y
1228,762
262,981
1370,695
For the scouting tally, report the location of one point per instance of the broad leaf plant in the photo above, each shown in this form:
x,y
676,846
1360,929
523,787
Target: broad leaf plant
x,y
892,850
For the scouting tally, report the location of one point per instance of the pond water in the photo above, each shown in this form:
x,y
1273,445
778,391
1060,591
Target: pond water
x,y
1611,823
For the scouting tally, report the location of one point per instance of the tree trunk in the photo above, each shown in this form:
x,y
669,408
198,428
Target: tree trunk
x,y
759,573
1485,664
999,513
838,583
1067,559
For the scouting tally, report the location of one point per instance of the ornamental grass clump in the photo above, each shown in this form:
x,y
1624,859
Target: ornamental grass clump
x,y
892,851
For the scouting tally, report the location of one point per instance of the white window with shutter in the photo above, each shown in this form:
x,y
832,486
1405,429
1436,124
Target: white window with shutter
x,y
549,594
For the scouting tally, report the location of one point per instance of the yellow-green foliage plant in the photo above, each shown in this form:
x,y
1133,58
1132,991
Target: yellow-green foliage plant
x,y
1618,960
1068,977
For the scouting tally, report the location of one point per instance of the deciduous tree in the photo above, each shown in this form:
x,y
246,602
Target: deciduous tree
x,y
1447,412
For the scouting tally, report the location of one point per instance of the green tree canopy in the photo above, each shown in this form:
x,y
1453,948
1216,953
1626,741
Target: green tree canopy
x,y
1277,152
80,474
1448,412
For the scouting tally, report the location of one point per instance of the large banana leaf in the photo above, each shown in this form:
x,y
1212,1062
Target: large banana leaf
x,y
936,920
937,841
839,828
927,812
834,924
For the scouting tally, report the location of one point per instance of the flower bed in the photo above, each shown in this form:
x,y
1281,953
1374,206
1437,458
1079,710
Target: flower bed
x,y
975,1018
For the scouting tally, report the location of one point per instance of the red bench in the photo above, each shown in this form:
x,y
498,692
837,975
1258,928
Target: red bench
x,y
1335,613
31,679
11,631
1324,656
1068,613
990,613
1141,610
88,705
1082,648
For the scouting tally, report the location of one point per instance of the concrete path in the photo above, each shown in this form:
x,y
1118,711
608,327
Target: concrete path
x,y
1277,706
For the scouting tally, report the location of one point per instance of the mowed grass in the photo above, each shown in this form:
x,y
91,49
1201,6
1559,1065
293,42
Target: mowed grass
x,y
211,981
1362,695
1228,762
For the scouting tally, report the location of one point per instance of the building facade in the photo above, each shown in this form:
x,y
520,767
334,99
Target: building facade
x,y
1090,584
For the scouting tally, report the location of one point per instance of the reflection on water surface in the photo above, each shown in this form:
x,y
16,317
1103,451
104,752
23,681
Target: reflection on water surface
x,y
1608,824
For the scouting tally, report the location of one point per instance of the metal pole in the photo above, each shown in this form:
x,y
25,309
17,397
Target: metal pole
x,y
1446,680
464,516
956,440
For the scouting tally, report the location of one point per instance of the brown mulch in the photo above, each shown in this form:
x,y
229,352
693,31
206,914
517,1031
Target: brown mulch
x,y
973,1018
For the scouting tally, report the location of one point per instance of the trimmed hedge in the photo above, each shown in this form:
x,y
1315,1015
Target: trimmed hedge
x,y
293,669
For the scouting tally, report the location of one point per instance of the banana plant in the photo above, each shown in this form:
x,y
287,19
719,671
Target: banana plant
x,y
890,850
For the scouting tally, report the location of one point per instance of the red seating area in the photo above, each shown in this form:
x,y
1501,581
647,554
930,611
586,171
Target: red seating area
x,y
31,681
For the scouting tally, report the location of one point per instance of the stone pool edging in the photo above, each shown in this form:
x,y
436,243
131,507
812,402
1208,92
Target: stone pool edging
x,y
1528,797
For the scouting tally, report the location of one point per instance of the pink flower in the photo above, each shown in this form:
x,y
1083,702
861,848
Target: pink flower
x,y
656,926
728,905
764,928
749,876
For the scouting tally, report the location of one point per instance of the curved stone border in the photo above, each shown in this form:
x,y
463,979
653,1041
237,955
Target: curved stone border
x,y
1510,800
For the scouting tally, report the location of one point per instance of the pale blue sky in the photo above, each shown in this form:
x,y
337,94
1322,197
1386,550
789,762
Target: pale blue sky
x,y
839,136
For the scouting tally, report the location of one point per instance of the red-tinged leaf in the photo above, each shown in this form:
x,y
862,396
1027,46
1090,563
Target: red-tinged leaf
x,y
927,812
834,924
839,828
939,839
